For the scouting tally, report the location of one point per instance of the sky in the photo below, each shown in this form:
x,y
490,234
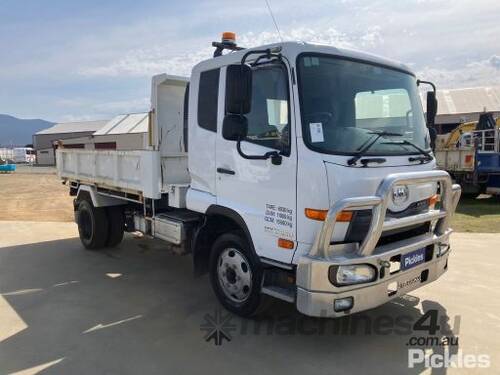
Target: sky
x,y
76,60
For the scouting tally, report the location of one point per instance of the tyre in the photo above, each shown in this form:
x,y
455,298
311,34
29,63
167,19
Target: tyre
x,y
236,275
92,225
116,225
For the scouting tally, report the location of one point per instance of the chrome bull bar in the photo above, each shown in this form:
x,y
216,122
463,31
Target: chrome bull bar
x,y
450,194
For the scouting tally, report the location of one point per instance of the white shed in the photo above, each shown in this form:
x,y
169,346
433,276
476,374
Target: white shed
x,y
123,132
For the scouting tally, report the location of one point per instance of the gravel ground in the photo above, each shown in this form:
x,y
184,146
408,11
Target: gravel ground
x,y
34,196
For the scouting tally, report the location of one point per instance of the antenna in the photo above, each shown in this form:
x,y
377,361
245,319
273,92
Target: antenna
x,y
274,19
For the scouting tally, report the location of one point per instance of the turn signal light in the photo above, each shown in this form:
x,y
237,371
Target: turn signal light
x,y
344,216
320,215
433,200
286,244
313,214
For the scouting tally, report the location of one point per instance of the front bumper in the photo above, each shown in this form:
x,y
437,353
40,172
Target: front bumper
x,y
368,296
316,294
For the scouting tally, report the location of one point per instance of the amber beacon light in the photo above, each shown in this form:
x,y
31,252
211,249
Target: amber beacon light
x,y
228,37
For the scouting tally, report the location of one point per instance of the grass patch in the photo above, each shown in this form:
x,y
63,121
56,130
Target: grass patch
x,y
480,215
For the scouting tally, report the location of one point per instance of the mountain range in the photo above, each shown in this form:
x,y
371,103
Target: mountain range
x,y
19,132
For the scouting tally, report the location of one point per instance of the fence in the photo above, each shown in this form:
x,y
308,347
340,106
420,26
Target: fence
x,y
7,153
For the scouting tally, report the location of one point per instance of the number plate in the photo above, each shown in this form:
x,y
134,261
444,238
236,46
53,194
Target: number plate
x,y
413,259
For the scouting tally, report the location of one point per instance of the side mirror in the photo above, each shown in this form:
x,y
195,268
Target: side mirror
x,y
432,106
433,136
234,127
238,89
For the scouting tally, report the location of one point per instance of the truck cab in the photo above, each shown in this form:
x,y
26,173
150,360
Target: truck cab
x,y
310,178
24,155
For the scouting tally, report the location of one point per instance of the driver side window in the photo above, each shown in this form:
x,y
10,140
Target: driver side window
x,y
268,120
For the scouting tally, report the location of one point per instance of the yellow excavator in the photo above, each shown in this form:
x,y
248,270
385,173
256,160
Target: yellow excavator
x,y
451,140
471,155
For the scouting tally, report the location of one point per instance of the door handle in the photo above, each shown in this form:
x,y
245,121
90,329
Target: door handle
x,y
225,171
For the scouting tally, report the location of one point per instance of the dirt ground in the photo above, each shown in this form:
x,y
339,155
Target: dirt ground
x,y
34,197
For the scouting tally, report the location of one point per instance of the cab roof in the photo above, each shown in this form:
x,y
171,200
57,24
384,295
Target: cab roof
x,y
293,49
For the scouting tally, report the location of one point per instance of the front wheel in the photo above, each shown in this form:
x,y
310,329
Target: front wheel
x,y
236,275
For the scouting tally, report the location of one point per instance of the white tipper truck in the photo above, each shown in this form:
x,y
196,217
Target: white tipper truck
x,y
293,170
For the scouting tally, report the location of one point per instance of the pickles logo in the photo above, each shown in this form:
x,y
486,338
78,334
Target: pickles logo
x,y
414,259
446,359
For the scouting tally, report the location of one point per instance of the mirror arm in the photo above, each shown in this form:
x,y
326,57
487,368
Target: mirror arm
x,y
265,54
275,156
260,51
419,81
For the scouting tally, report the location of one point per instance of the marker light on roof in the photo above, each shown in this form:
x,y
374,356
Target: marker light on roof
x,y
228,37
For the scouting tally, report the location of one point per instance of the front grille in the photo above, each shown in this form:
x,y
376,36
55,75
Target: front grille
x,y
358,228
360,223
413,209
403,233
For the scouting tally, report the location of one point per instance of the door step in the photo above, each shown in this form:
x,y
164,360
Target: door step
x,y
284,294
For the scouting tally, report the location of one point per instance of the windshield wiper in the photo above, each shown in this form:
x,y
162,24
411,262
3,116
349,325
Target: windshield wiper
x,y
366,161
426,155
365,147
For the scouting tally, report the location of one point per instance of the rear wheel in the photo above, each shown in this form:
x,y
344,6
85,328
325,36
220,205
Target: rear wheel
x,y
116,225
236,275
92,225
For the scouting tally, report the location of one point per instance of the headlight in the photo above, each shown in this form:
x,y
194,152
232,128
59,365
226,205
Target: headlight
x,y
352,274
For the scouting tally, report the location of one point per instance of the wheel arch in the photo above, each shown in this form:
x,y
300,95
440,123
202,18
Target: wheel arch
x,y
217,220
98,200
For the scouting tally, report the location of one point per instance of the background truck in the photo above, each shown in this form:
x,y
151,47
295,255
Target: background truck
x,y
293,170
24,155
471,154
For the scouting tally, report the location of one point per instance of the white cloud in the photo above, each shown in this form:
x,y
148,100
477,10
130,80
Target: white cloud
x,y
495,61
84,109
373,37
123,106
145,62
477,73
454,42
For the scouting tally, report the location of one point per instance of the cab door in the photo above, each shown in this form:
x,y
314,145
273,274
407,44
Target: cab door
x,y
262,193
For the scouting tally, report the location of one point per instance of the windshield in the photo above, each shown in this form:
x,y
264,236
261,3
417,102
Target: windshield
x,y
345,103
